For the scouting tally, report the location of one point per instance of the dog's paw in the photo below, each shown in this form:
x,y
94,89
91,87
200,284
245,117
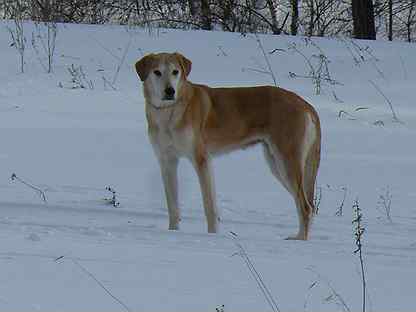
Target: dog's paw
x,y
174,227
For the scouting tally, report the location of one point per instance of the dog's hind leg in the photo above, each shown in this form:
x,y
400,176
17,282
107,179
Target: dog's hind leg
x,y
289,172
295,163
202,165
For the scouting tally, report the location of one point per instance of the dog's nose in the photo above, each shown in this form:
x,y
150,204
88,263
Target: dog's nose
x,y
170,92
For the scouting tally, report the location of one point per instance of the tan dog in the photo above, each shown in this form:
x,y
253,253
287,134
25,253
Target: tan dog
x,y
198,122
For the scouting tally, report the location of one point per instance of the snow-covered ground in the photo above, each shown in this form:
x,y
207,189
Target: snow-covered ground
x,y
73,143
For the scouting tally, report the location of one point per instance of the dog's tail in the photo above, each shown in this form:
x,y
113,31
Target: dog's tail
x,y
312,161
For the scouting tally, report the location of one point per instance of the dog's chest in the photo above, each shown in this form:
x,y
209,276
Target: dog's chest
x,y
170,139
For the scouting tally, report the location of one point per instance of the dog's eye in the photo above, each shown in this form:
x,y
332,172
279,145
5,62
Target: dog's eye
x,y
175,72
157,73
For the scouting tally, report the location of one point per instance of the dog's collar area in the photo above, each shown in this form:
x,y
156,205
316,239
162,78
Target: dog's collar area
x,y
163,107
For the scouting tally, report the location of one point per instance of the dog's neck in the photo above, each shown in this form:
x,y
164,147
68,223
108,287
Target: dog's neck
x,y
169,115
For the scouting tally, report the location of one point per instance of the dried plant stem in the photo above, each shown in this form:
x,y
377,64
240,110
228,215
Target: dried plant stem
x,y
318,70
403,66
270,70
121,62
340,211
384,204
113,200
263,69
101,285
256,275
395,118
339,299
359,231
41,192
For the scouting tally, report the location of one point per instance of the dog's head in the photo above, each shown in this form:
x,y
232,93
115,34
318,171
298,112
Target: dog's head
x,y
162,75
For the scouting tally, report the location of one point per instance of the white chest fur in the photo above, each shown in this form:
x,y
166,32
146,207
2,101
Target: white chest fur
x,y
167,138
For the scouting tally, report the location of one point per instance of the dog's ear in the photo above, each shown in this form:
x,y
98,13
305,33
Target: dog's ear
x,y
143,66
185,63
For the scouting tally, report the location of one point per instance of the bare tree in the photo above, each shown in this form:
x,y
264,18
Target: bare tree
x,y
325,17
45,35
405,16
17,32
274,24
410,21
364,19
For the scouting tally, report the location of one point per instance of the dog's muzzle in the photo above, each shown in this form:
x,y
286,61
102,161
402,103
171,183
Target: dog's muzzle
x,y
169,94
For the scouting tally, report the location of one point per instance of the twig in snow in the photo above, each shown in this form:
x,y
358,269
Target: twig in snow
x,y
317,198
108,83
47,39
79,79
105,48
263,70
403,66
221,52
336,98
339,211
121,62
318,67
395,118
92,276
58,258
384,203
41,193
362,55
339,300
256,275
113,200
277,50
342,113
266,58
379,123
308,294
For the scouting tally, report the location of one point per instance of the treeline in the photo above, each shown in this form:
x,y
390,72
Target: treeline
x,y
367,19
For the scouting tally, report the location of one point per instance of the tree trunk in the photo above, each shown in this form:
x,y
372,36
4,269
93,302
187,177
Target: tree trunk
x,y
390,35
311,25
192,8
206,15
410,20
363,19
294,24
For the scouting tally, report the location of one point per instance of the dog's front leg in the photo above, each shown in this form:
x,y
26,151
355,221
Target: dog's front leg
x,y
169,170
203,168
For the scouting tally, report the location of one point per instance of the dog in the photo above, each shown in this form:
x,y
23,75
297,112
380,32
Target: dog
x,y
198,122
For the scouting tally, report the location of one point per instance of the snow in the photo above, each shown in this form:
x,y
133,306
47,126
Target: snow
x,y
73,143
